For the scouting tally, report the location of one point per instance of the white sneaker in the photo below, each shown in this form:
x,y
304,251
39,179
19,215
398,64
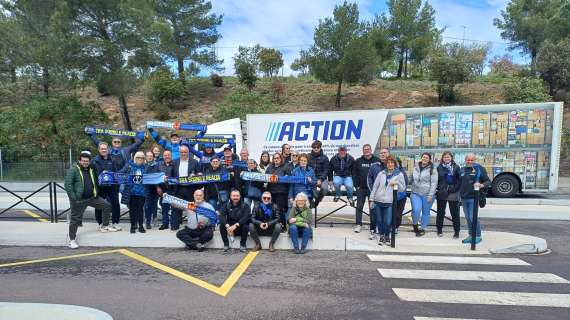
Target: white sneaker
x,y
107,229
117,226
357,228
73,244
371,236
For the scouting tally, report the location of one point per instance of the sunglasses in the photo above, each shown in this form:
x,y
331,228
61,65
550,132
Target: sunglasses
x,y
116,141
266,198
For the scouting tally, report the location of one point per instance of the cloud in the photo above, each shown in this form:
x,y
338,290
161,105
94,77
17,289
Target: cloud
x,y
289,25
285,25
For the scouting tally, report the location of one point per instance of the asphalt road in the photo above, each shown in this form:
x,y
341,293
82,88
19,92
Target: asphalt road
x,y
318,285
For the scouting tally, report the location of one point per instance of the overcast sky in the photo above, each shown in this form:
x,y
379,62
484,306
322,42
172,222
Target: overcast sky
x,y
288,25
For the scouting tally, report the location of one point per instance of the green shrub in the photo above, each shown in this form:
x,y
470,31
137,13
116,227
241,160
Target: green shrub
x,y
161,112
525,90
217,80
242,102
164,88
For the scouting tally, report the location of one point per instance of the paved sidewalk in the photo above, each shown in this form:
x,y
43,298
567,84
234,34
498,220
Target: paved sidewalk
x,y
324,238
44,311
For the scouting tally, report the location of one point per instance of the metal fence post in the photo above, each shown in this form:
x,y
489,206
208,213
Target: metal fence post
x,y
475,217
394,209
51,189
1,167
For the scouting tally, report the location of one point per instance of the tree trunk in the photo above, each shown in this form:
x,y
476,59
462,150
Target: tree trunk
x,y
45,77
400,65
125,113
181,75
338,89
13,77
406,64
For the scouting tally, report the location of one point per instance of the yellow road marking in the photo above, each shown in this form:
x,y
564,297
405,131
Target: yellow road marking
x,y
14,264
222,290
35,215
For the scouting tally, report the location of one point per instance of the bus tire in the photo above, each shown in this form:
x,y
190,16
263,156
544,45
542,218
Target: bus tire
x,y
505,186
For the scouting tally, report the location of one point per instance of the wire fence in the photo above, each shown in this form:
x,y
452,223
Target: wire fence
x,y
40,168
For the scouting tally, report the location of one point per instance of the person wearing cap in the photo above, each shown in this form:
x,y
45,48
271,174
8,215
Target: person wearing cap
x,y
217,193
173,145
319,161
340,173
200,228
82,190
122,155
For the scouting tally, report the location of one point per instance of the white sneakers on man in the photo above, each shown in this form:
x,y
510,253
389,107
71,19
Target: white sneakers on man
x,y
357,228
117,226
73,244
105,229
371,236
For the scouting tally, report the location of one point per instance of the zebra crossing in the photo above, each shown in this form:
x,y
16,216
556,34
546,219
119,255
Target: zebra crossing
x,y
453,268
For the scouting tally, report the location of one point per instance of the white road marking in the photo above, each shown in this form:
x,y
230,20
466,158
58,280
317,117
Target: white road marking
x,y
472,275
524,299
448,260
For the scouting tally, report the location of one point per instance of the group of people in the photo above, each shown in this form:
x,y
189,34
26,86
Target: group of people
x,y
242,207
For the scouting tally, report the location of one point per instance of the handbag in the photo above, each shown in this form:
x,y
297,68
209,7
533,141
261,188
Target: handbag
x,y
482,198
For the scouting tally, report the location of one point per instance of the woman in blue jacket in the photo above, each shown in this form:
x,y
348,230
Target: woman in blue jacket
x,y
134,193
303,170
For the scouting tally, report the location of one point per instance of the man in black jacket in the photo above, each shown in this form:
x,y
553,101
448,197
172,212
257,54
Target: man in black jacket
x,y
265,219
167,167
359,176
234,220
105,162
320,163
473,175
340,173
217,193
183,167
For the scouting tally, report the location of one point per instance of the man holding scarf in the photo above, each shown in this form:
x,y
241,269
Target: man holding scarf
x,y
200,227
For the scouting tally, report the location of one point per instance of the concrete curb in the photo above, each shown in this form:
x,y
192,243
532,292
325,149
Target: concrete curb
x,y
336,239
34,311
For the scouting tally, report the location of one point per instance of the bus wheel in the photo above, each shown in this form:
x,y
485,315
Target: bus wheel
x,y
505,186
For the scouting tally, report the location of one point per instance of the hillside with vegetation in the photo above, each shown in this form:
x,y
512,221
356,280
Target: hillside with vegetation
x,y
67,64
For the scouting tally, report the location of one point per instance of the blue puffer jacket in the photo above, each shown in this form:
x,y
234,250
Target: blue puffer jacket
x,y
133,189
297,188
173,147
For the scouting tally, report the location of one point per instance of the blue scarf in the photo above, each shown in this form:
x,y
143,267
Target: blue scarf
x,y
390,176
115,132
267,209
449,174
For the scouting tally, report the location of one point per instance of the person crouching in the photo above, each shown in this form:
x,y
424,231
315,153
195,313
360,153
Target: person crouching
x,y
200,228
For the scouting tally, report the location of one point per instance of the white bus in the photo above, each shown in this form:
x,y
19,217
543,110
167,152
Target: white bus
x,y
518,144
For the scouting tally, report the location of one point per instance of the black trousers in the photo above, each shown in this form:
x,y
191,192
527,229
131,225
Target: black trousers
x,y
453,209
111,194
255,231
241,231
136,210
191,237
400,205
282,201
361,195
186,193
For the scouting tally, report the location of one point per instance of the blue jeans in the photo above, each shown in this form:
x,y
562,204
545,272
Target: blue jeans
x,y
165,213
151,205
343,181
383,218
468,211
420,204
294,233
